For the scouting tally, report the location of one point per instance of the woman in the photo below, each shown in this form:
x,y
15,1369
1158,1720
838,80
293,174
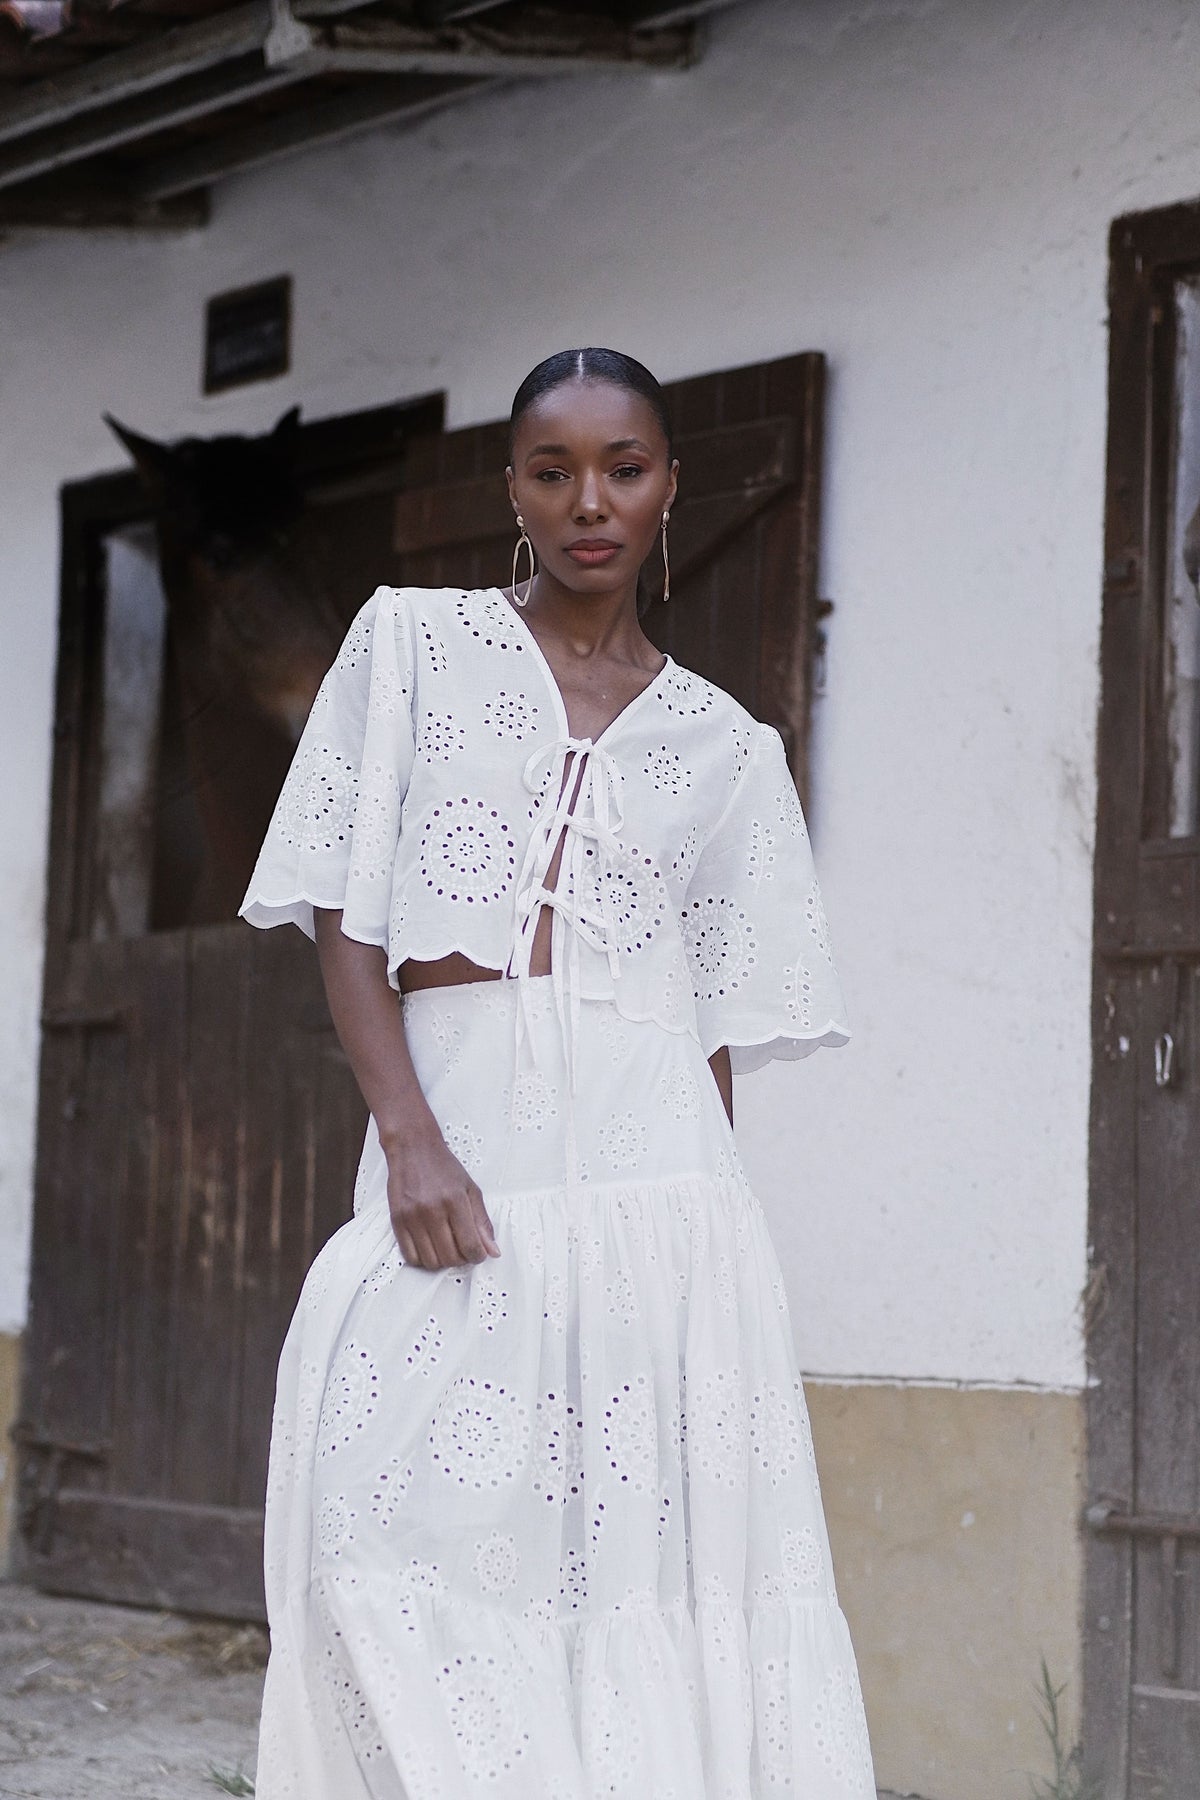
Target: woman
x,y
542,1518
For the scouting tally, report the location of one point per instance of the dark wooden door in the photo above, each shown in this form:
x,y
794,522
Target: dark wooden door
x,y
1142,1649
198,1127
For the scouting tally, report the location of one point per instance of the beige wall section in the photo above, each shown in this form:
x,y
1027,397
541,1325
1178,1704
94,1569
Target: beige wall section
x,y
10,1372
954,1519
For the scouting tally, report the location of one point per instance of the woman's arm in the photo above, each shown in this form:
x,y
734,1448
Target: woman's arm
x,y
722,1070
437,1211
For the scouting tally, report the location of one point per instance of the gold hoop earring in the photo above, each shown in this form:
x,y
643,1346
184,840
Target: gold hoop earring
x,y
522,543
666,561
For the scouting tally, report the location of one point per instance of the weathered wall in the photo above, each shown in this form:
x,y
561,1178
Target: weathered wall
x,y
922,189
952,1518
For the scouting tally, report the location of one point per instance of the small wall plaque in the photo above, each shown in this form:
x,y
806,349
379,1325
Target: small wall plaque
x,y
248,335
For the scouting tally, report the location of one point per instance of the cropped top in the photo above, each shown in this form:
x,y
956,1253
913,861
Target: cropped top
x,y
437,776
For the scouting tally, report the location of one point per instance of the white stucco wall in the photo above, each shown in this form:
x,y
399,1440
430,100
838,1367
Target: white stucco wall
x,y
923,191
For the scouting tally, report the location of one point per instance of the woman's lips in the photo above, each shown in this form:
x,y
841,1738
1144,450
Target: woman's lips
x,y
593,556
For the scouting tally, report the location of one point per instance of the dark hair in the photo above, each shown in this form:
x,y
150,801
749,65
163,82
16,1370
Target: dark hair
x,y
590,364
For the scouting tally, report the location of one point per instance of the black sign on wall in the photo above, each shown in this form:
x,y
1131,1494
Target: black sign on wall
x,y
248,335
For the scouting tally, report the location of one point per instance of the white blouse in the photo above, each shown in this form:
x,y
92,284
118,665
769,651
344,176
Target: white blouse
x,y
437,775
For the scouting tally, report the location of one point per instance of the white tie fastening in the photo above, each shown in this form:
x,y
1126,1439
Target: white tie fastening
x,y
585,816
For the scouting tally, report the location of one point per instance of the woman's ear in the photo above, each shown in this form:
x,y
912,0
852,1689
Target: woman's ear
x,y
672,488
512,487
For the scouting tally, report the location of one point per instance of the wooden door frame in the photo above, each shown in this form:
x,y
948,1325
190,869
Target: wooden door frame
x,y
1135,871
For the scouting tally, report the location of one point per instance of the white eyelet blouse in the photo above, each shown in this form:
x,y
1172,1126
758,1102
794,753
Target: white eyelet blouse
x,y
437,775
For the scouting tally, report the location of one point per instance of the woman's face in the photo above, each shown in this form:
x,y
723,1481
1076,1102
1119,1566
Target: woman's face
x,y
591,476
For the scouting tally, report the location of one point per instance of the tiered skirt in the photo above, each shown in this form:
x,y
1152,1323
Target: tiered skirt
x,y
549,1528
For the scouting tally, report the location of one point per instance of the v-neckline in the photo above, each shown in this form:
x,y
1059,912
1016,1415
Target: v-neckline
x,y
556,693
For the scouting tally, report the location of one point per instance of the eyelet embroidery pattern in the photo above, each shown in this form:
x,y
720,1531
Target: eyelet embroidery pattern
x,y
818,925
511,715
464,1142
775,1437
839,1729
480,1435
390,1487
680,1095
487,618
803,1562
720,945
631,1436
684,693
351,1398
622,1141
717,1428
760,863
468,853
791,817
742,744
533,1103
798,995
441,740
477,1693
497,1563
666,771
316,809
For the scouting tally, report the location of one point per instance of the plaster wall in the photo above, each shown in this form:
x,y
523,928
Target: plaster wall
x,y
922,189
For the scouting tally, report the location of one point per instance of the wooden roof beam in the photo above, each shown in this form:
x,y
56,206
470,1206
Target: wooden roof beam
x,y
121,75
436,13
550,46
195,97
364,107
663,15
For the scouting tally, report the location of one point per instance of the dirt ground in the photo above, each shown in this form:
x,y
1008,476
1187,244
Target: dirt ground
x,y
99,1701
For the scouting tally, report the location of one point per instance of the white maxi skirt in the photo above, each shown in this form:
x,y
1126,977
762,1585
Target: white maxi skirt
x,y
549,1528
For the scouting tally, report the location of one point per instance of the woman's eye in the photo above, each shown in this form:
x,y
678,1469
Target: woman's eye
x,y
627,469
551,475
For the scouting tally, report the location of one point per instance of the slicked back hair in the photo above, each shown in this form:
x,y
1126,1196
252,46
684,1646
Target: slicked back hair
x,y
591,364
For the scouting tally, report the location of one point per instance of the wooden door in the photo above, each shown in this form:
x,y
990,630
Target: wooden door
x,y
1142,1647
198,1127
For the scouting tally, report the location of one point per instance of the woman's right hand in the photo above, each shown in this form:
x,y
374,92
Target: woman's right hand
x,y
437,1211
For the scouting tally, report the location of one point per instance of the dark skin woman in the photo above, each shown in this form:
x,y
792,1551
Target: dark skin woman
x,y
591,475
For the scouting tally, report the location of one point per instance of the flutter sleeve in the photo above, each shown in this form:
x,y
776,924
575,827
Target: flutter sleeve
x,y
333,836
754,926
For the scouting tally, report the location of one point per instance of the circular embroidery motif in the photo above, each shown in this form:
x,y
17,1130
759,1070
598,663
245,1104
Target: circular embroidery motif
x,y
682,692
468,852
351,1397
480,1434
487,617
716,1428
631,1436
486,1725
667,771
511,715
497,1563
316,807
440,739
720,945
775,1435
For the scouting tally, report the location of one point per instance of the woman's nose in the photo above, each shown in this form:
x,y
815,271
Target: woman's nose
x,y
589,499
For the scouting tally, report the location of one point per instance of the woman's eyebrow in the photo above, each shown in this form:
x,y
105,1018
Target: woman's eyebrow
x,y
629,443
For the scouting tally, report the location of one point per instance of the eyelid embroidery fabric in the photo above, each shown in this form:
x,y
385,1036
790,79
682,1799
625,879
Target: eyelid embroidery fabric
x,y
427,795
549,1528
